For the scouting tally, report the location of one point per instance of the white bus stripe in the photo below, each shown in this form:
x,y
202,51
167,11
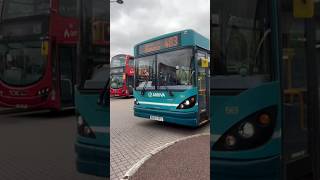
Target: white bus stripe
x,y
100,129
160,104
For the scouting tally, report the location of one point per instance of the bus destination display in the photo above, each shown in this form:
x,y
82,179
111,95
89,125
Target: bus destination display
x,y
159,45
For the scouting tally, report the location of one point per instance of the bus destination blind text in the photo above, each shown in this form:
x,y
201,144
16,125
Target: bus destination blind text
x,y
159,45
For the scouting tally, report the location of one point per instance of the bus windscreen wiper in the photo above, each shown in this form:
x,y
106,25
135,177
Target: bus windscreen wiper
x,y
166,86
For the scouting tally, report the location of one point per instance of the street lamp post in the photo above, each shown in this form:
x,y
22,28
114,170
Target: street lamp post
x,y
117,1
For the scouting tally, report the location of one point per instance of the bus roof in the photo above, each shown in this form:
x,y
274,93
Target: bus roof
x,y
121,55
188,37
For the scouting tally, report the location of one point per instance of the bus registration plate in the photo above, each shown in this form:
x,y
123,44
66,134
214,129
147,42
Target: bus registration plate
x,y
157,118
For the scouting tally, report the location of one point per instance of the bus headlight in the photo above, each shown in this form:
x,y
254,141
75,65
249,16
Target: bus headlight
x,y
188,103
253,131
246,130
231,141
83,128
44,92
136,102
80,121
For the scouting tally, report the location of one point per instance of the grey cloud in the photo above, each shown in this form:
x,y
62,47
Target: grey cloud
x,y
139,20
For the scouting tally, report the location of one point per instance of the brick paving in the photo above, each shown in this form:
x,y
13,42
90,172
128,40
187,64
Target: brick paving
x,y
187,159
39,146
132,138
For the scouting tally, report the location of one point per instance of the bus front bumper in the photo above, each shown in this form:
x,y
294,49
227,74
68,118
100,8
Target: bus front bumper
x,y
181,118
262,169
119,93
34,102
92,160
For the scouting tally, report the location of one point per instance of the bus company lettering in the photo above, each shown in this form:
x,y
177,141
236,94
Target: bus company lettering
x,y
156,94
70,33
231,110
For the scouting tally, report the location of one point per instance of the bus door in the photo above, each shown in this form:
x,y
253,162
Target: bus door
x,y
202,59
67,55
317,74
298,92
130,78
130,81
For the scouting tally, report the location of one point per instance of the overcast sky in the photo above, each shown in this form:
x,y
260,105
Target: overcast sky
x,y
139,20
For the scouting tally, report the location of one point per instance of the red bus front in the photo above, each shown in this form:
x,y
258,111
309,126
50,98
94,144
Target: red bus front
x,y
122,76
37,53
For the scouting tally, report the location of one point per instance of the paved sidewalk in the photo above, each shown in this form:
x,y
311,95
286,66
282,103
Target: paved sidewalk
x,y
132,138
187,159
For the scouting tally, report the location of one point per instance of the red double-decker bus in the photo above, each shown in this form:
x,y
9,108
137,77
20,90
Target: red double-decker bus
x,y
37,53
122,75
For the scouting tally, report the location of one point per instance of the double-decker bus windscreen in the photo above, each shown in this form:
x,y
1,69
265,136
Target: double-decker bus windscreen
x,y
175,70
116,81
24,8
241,39
21,63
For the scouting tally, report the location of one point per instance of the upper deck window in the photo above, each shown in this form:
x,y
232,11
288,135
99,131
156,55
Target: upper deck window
x,y
118,61
24,8
68,8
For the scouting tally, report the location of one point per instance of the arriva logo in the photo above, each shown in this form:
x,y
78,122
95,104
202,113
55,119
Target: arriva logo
x,y
156,94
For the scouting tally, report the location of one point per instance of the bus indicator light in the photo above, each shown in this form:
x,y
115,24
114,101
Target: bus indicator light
x,y
264,119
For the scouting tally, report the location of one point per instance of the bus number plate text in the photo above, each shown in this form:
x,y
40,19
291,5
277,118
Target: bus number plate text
x,y
156,118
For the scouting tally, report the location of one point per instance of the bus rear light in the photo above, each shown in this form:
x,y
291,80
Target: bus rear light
x,y
252,132
188,103
84,129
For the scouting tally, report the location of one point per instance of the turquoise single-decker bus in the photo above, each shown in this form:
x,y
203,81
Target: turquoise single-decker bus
x,y
92,92
265,90
172,78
